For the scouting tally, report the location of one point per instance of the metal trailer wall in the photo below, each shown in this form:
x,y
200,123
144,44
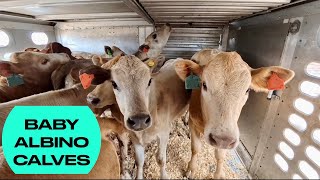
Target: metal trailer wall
x,y
267,40
92,39
20,36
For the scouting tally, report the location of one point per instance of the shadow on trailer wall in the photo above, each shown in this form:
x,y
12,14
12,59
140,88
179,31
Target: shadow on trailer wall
x,y
19,36
280,138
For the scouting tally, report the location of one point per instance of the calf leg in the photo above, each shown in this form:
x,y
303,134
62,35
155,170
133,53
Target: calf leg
x,y
139,153
162,155
220,155
195,148
124,155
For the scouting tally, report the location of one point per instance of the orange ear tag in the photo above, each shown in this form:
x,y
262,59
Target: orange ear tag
x,y
275,82
86,80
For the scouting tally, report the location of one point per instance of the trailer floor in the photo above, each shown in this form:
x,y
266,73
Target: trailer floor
x,y
179,154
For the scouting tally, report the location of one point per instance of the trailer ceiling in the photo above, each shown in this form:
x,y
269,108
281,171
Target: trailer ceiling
x,y
204,13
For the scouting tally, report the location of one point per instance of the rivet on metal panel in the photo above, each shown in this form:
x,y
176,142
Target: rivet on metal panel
x,y
294,27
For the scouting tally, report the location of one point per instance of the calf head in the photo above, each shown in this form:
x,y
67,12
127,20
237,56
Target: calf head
x,y
130,79
225,84
155,42
36,68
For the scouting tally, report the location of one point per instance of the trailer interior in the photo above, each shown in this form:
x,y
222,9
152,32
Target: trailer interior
x,y
280,137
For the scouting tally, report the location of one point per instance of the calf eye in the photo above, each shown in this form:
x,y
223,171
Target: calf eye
x,y
44,61
204,86
149,83
114,84
154,36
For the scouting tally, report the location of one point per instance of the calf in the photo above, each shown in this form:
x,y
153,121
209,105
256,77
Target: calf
x,y
154,43
66,76
107,165
215,108
147,102
34,68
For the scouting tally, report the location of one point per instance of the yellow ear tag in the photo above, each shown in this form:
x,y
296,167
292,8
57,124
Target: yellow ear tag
x,y
151,63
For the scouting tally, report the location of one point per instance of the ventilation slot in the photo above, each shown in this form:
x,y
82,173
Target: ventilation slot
x,y
313,69
296,176
281,162
313,154
310,89
316,136
286,150
297,122
291,136
308,171
304,106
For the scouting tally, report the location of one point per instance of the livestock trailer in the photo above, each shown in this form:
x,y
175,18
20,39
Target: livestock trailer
x,y
279,134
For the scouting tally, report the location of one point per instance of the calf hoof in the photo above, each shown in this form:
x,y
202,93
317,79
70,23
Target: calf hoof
x,y
219,175
125,175
190,175
164,176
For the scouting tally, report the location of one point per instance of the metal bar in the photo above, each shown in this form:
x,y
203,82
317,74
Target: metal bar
x,y
202,17
252,1
224,40
193,20
263,4
101,23
208,30
209,13
16,15
203,10
88,16
193,42
195,35
286,59
272,9
43,3
205,7
136,7
192,25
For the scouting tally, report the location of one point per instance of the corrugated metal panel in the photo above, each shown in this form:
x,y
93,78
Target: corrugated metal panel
x,y
198,24
71,10
210,12
184,42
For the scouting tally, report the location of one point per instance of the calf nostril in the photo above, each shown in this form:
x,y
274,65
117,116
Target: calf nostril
x,y
147,121
212,140
131,122
95,101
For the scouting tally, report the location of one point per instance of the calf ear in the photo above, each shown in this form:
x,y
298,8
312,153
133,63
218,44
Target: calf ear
x,y
6,68
185,67
96,60
75,74
58,76
117,51
107,48
100,74
261,76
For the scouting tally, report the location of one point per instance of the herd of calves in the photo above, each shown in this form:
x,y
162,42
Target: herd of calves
x,y
144,93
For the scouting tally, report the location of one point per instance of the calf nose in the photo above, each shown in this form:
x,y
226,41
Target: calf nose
x,y
93,100
139,122
224,142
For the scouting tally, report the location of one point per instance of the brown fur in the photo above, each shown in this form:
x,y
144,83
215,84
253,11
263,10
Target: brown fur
x,y
167,101
36,69
107,165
